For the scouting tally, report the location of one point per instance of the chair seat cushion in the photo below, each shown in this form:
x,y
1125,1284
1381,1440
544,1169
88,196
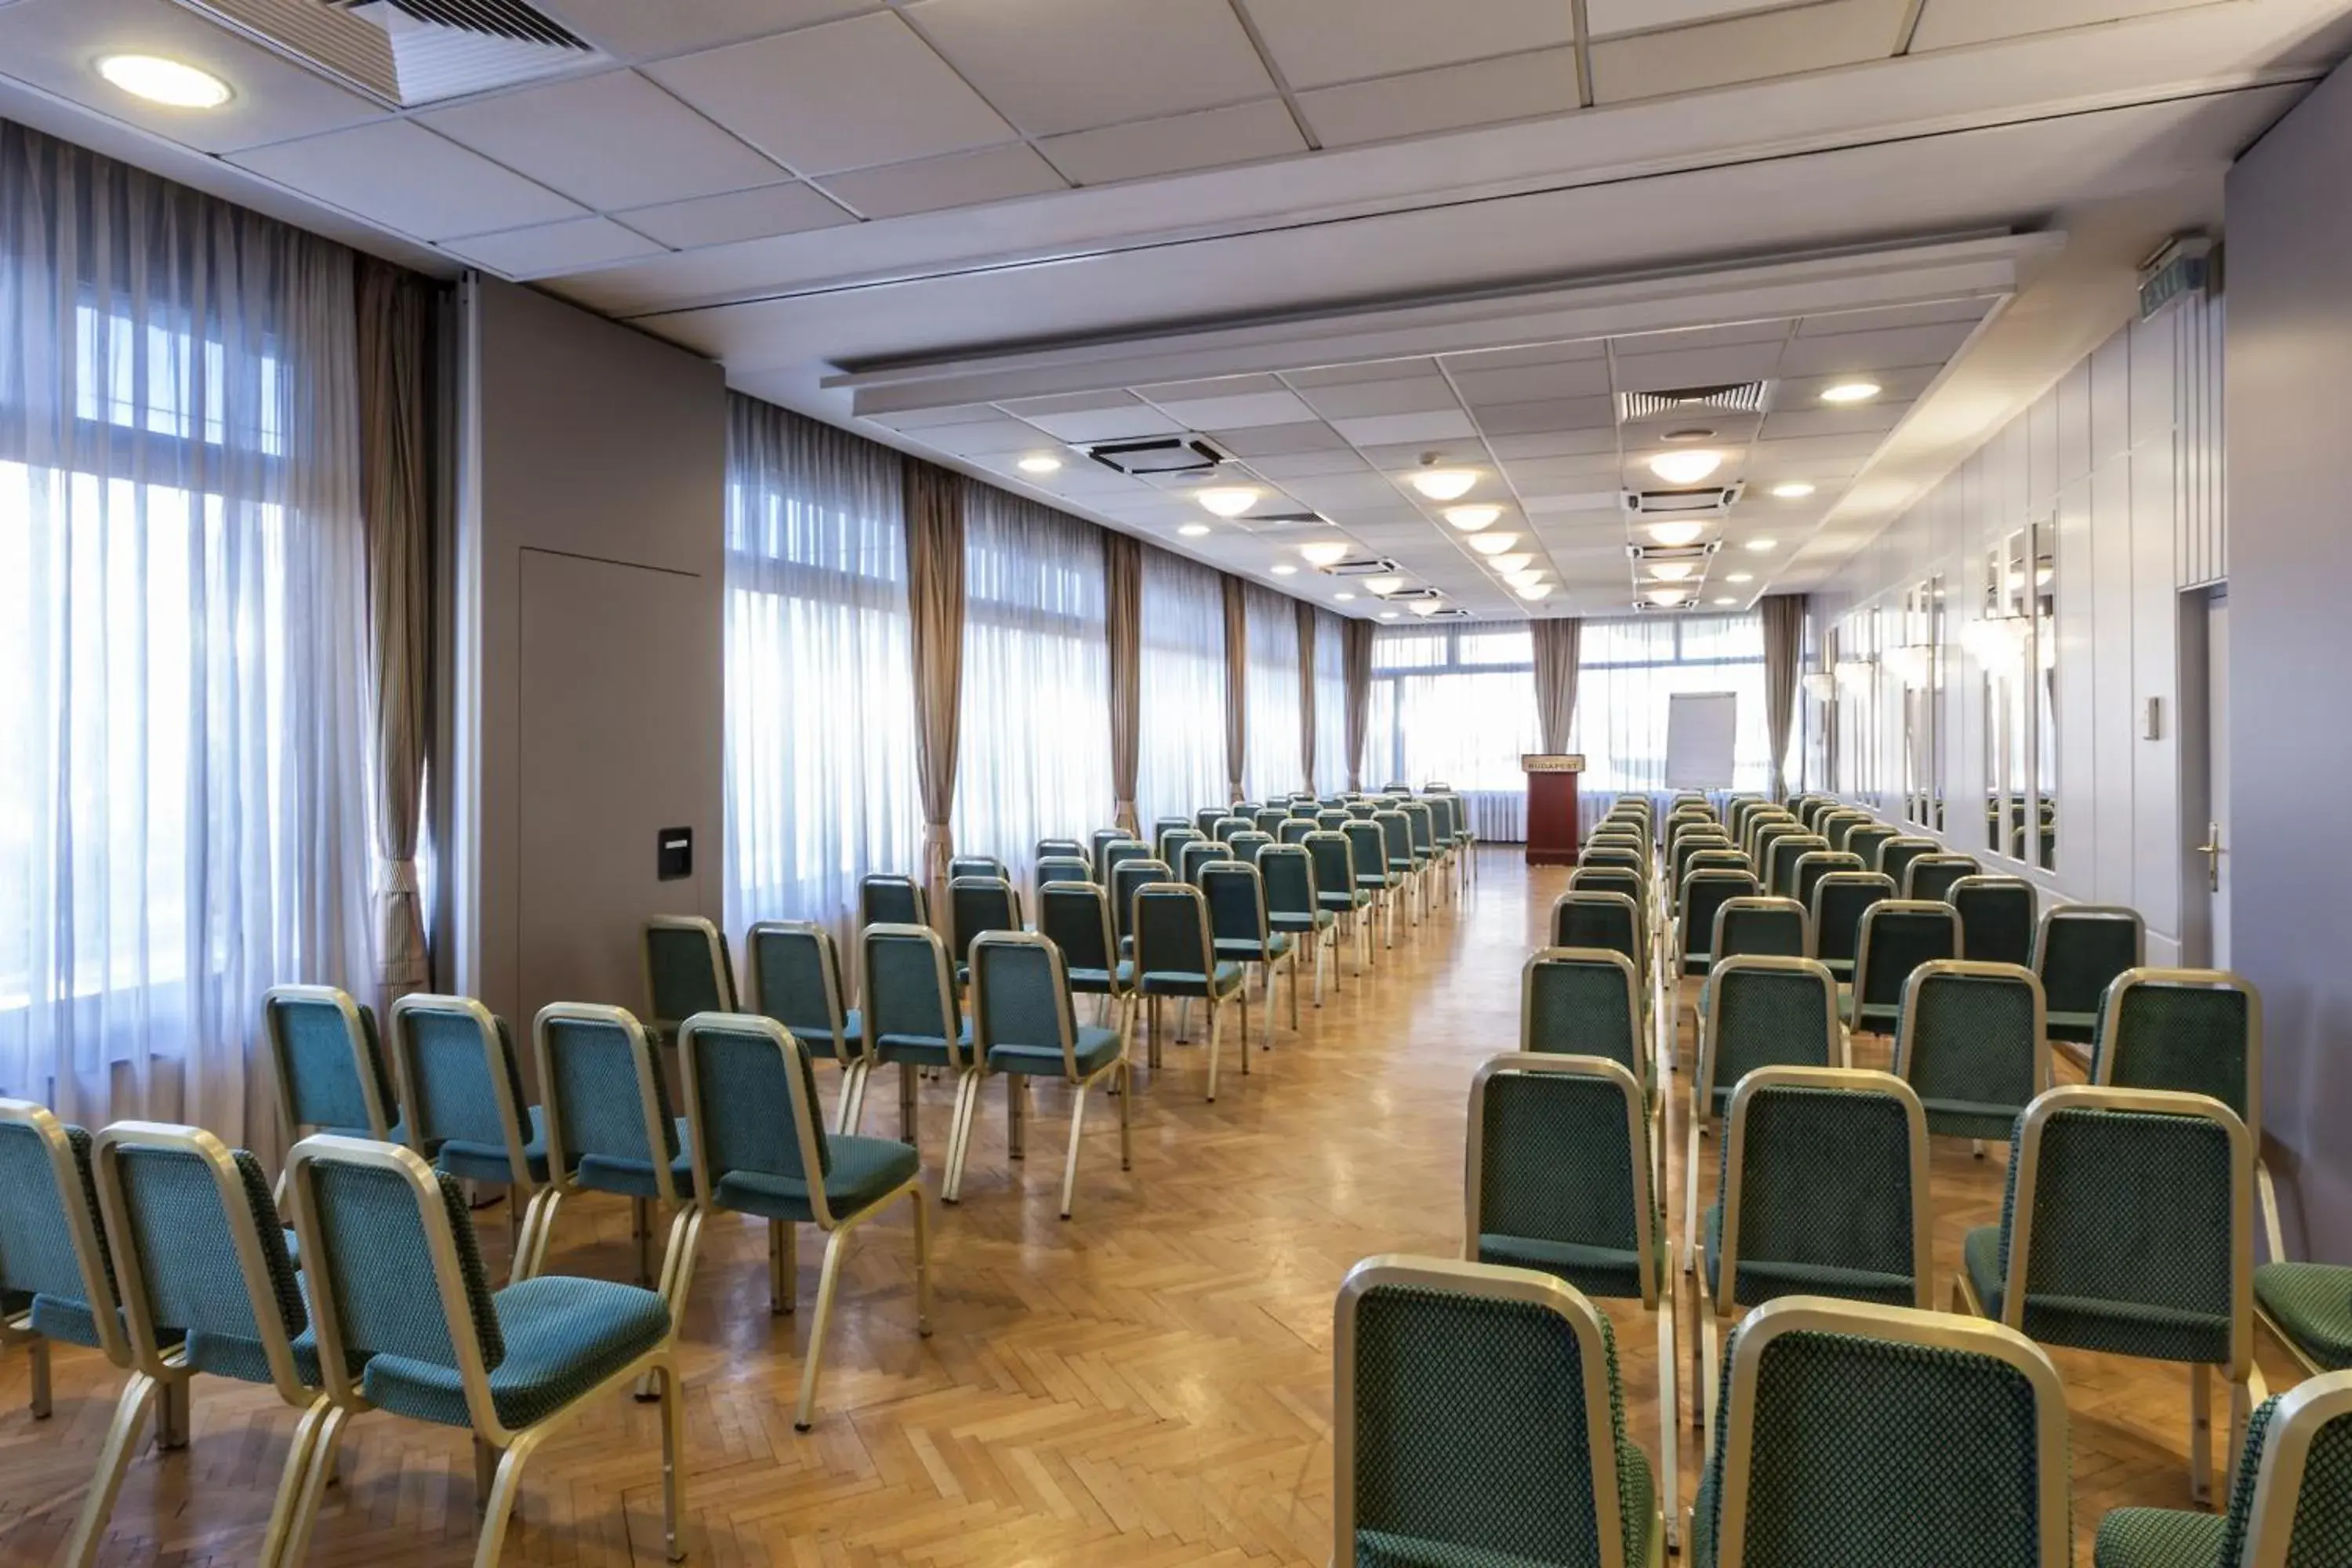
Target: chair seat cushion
x,y
563,1337
1301,922
2117,1328
922,1052
1354,899
1242,948
2160,1538
635,1178
1096,1049
1595,1270
2312,1305
1099,982
472,1161
865,1170
1181,983
820,1043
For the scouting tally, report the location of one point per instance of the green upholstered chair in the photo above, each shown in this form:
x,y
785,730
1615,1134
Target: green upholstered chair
x,y
2128,1228
1201,852
1244,846
1563,1179
1396,846
1782,856
911,1013
1997,913
1932,876
1295,909
1759,926
1895,855
1207,817
1098,847
1367,853
1757,1012
795,971
1269,819
406,1322
886,898
1477,1419
1242,932
760,1148
1331,819
2078,950
1612,880
1864,1436
1867,839
688,971
2198,1031
977,866
1223,828
1053,868
1897,935
1971,1044
1704,892
1176,957
1337,894
1689,844
1811,866
1294,830
1588,1002
328,1064
461,1078
1837,826
1024,1027
1127,879
2307,1307
977,905
1428,853
2290,1506
1840,901
610,1129
1071,848
56,1279
1707,856
1604,919
1822,1190
1169,842
1763,833
207,1284
1076,916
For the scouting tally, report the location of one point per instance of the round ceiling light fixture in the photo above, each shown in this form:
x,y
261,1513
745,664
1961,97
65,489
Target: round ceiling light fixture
x,y
1283,569
1762,545
1686,468
1727,599
1229,501
1443,484
1795,489
1193,530
1526,579
1325,552
1535,591
1471,519
1517,561
1423,607
1039,463
1675,535
1671,570
1345,598
168,82
1381,588
1494,543
1388,615
1668,596
1741,577
1850,391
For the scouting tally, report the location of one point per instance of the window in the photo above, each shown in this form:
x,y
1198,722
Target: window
x,y
1456,706
1628,672
1181,752
1275,753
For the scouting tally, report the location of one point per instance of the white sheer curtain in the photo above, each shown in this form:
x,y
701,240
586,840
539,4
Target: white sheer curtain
x,y
184,692
1181,761
820,677
1457,705
1330,703
1628,671
1271,749
1035,758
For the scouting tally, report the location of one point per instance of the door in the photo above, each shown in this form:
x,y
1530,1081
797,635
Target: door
x,y
2215,845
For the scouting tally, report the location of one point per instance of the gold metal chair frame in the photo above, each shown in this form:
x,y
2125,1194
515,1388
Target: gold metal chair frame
x,y
865,911
854,1067
401,1046
722,976
908,1072
1120,1069
1939,860
1213,1006
1637,1011
2066,912
1973,971
2302,1411
1320,937
1923,908
379,1114
1269,964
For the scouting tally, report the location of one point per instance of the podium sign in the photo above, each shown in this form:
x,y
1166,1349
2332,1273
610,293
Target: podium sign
x,y
1552,837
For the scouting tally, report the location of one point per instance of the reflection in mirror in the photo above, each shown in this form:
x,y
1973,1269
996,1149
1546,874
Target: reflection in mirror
x,y
2045,657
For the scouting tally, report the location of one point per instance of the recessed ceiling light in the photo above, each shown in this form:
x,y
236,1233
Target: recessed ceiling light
x,y
1668,596
1761,545
1674,535
1443,484
1534,590
1325,552
1388,615
168,82
1850,391
1795,489
1381,588
1727,599
1423,607
1039,463
1741,577
1671,570
1494,543
1686,468
1193,530
1526,579
1517,561
1345,598
1232,501
1284,569
1471,519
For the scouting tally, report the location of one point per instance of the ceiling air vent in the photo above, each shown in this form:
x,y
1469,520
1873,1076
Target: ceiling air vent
x,y
1674,551
1451,613
1362,566
407,52
1708,500
1410,595
1161,455
1740,397
1647,608
1280,519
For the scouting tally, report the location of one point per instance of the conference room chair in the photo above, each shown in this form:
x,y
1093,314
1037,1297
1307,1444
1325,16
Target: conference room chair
x,y
1682,826
1127,878
886,898
1244,846
1477,1419
1758,1012
1618,879
1822,1190
688,971
1294,830
1331,819
1605,919
1361,810
1885,1436
1207,817
1782,854
2307,1307
1997,914
1403,863
911,1013
1295,909
1367,853
1895,937
610,1129
2291,1506
1200,852
1076,917
1099,845
1932,876
1337,894
1023,1028
1758,844
1169,842
1704,892
1678,854
2079,948
1973,1045
328,1064
1589,1001
1060,868
977,866
1811,866
1268,820
1224,827
2128,1228
977,905
2198,1031
1761,926
1067,847
1563,1179
1840,901
468,1115
1241,931
796,981
1160,825
1430,855
1837,826
761,1149
56,1279
1176,957
1446,820
406,1323
1117,852
1895,855
1865,840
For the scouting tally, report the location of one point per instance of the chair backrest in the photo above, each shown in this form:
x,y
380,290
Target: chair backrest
x,y
1704,892
327,1061
1559,1156
1199,853
1162,823
1062,868
1599,855
2292,1504
1997,917
796,981
1168,840
1609,879
979,904
604,1100
1270,820
1974,1034
1781,855
1761,927
1865,840
1811,866
1766,1012
886,898
1294,830
1898,935
1224,827
1584,916
1237,895
977,866
1367,848
1583,1002
686,971
1396,834
460,1078
1021,998
1113,853
1208,816
1932,876
751,1108
1419,831
1172,930
910,991
1840,901
1331,819
2140,1201
1288,871
1824,1169
1444,818
1334,865
2079,948
1361,810
1850,1434
1245,845
1076,916
52,1240
1099,845
2198,1031
1457,1434
1130,877
1895,855
1763,833
1069,846
1837,826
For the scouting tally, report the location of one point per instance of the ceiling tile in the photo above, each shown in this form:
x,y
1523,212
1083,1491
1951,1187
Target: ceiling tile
x,y
1343,490
983,438
552,247
1684,339
1699,367
1826,421
1896,385
1106,424
1531,383
1837,322
1211,138
1516,87
404,177
1947,24
1438,425
958,180
51,43
1558,414
1747,48
1874,351
1450,451
1318,42
1310,437
1368,370
841,95
632,29
1238,411
1604,18
1071,402
1412,394
1054,66
1304,465
609,141
741,215
930,418
1528,354
1552,443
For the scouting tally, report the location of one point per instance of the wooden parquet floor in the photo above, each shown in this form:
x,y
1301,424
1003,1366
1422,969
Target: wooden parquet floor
x,y
1146,1385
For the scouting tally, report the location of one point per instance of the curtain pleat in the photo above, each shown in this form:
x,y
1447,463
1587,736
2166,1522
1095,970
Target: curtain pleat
x,y
1183,765
1784,649
1307,651
935,591
1557,643
1359,698
1123,596
1236,686
1329,708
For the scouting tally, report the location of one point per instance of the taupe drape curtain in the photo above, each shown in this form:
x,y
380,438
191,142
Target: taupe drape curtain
x,y
1784,647
1236,686
1123,612
1359,698
1556,645
395,338
934,500
1307,694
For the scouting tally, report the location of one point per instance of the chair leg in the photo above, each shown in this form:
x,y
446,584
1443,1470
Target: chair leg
x,y
1126,1098
2201,1435
783,1265
2243,1397
640,1233
1293,966
538,1226
909,1107
310,1471
1070,1161
1670,1414
853,1095
113,1459
673,1420
1215,1039
505,1489
967,1102
815,1366
171,1415
36,1371
2266,1195
1183,1019
486,1474
1015,1091
1704,1392
1690,1194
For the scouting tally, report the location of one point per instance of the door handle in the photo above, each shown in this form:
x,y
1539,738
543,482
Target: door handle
x,y
2211,850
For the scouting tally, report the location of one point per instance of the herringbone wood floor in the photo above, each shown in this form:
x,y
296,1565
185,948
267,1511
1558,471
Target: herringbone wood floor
x,y
1148,1383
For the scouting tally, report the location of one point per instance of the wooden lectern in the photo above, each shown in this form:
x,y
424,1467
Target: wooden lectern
x,y
1551,807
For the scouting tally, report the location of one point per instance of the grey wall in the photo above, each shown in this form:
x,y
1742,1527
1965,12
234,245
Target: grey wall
x,y
2289,385
586,702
